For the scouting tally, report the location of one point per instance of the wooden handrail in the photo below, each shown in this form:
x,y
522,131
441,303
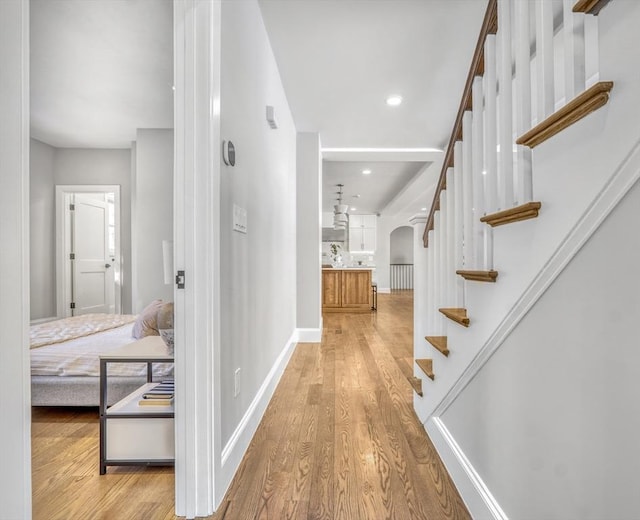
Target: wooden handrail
x,y
489,26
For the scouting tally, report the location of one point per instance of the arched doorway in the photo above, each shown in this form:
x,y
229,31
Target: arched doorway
x,y
401,258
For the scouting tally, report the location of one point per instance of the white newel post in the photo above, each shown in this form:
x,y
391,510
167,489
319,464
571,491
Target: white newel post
x,y
15,374
421,291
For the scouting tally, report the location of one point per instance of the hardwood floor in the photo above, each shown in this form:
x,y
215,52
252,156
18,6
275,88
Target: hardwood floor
x,y
339,440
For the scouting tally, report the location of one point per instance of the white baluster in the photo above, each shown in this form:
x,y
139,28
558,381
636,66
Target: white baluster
x,y
433,330
438,273
459,220
505,179
523,101
544,58
451,238
592,50
467,193
477,168
490,125
444,250
573,36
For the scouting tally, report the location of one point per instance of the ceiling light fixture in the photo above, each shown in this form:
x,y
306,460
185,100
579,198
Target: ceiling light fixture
x,y
423,209
394,101
340,218
366,171
353,209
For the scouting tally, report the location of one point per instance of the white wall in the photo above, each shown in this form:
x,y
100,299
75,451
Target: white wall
x,y
42,226
15,433
551,421
258,291
308,233
401,248
102,166
152,215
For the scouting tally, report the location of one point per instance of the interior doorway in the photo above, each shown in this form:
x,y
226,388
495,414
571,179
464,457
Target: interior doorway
x,y
88,257
401,258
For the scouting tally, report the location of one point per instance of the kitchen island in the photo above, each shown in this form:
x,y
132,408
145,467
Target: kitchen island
x,y
346,289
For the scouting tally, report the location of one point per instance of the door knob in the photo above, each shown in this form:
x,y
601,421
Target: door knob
x,y
107,265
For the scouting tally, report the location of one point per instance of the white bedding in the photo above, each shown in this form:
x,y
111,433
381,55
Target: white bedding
x,y
80,357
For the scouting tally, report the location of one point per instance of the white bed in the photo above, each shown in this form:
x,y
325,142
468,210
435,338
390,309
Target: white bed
x,y
66,372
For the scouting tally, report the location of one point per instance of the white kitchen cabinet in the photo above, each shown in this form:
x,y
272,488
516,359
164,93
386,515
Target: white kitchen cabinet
x,y
362,233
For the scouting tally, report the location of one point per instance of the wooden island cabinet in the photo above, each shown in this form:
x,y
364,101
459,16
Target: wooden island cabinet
x,y
346,289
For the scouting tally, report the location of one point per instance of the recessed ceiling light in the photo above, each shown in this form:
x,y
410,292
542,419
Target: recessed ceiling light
x,y
423,209
394,101
356,196
353,209
367,171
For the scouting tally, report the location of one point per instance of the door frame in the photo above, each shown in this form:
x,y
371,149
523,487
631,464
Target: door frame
x,y
63,243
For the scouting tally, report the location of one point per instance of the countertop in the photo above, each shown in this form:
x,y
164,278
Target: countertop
x,y
350,268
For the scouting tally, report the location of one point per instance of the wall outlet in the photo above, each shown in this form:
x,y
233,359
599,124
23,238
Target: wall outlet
x,y
236,383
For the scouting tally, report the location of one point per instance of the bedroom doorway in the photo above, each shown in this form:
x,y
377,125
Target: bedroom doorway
x,y
88,262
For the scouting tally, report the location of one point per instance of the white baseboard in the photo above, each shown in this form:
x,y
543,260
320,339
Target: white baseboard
x,y
235,449
309,335
475,494
384,290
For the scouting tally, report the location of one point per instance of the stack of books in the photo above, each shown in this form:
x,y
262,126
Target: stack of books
x,y
160,395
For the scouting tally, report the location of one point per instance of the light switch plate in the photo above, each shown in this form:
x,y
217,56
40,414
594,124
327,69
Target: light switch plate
x,y
239,219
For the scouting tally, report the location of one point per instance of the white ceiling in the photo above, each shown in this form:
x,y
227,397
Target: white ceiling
x,y
100,69
366,193
340,59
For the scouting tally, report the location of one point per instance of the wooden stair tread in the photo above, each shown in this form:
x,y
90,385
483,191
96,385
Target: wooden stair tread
x,y
508,216
457,315
416,383
426,365
581,106
478,276
589,6
439,343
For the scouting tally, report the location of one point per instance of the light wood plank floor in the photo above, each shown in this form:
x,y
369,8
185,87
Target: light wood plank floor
x,y
339,440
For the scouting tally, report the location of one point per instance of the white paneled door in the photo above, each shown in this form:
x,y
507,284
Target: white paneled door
x,y
92,265
88,255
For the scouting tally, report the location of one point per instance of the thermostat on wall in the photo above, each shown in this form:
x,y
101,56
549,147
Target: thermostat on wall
x,y
228,153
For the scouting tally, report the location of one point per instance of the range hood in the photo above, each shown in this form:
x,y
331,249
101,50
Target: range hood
x,y
334,235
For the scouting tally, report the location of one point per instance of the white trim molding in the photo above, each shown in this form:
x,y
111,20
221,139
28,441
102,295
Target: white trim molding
x,y
15,372
625,176
235,449
384,290
196,251
476,495
309,335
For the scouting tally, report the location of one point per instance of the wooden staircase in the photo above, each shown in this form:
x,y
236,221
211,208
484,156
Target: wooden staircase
x,y
460,222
